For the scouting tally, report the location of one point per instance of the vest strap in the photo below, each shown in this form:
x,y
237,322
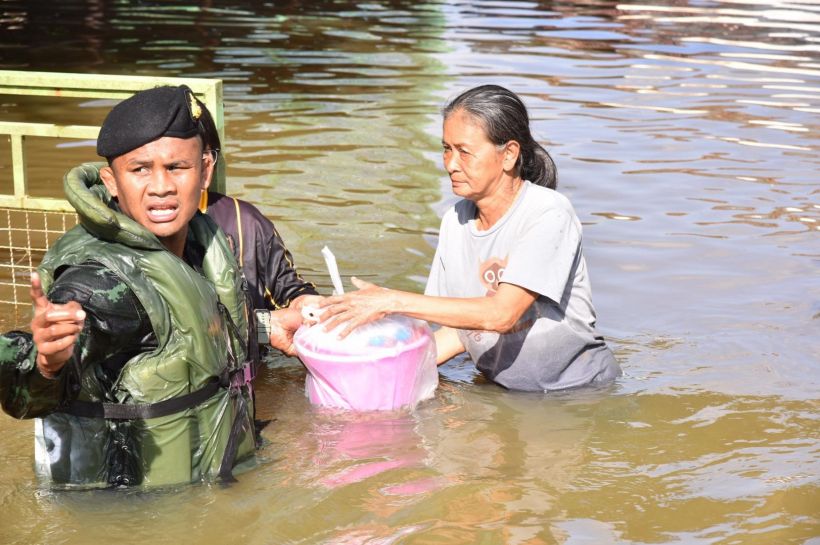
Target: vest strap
x,y
142,411
231,449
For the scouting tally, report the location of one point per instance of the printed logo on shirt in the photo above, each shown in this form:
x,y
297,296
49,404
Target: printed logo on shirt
x,y
491,272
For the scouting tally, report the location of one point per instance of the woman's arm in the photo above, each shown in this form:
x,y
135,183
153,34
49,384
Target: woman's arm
x,y
499,312
447,344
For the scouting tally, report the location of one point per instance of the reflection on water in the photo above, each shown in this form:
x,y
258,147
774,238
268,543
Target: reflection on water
x,y
687,137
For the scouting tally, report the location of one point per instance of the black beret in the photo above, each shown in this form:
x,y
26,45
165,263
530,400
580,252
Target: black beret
x,y
147,116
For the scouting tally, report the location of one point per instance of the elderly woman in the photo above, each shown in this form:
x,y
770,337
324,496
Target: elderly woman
x,y
509,282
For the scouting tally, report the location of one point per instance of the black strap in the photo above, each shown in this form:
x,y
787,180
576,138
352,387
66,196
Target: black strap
x,y
135,411
232,447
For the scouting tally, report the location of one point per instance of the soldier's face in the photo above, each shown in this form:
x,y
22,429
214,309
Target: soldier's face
x,y
159,184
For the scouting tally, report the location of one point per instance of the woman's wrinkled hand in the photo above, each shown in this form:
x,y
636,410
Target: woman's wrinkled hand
x,y
306,301
368,304
54,329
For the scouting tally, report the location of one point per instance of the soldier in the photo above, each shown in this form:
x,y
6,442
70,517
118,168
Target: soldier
x,y
140,371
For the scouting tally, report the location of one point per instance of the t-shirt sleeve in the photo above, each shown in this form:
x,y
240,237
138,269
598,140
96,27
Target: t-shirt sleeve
x,y
436,279
544,256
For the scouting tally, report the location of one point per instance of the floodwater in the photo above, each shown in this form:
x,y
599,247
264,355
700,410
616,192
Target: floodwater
x,y
686,134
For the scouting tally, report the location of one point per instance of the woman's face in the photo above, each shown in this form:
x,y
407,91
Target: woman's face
x,y
476,166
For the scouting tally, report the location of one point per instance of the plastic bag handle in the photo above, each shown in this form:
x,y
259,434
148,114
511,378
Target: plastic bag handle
x,y
333,269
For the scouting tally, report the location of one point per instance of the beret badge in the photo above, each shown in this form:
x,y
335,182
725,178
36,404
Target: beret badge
x,y
196,109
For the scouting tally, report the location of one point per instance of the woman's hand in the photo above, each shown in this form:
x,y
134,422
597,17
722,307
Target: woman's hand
x,y
368,304
305,301
54,329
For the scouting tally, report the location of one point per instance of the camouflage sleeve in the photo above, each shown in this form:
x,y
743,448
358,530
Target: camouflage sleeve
x,y
24,392
116,328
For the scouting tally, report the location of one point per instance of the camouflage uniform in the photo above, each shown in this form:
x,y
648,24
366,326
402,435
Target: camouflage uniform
x,y
156,332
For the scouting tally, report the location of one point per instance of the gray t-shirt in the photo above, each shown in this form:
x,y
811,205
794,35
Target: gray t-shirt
x,y
536,245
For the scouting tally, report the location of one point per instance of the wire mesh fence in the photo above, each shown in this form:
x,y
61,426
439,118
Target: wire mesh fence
x,y
25,235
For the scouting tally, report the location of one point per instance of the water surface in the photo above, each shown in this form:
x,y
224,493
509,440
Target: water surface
x,y
686,135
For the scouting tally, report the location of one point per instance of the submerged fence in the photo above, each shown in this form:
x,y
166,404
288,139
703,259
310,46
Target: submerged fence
x,y
30,224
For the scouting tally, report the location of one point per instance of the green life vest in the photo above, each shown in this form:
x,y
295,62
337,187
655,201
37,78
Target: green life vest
x,y
200,323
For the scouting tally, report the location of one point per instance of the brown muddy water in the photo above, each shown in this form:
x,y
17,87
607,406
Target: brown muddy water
x,y
686,134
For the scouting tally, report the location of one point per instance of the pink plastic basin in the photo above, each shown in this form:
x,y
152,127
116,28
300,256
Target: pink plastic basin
x,y
381,379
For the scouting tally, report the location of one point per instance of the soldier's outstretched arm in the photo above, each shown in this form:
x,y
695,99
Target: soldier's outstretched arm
x,y
55,329
27,385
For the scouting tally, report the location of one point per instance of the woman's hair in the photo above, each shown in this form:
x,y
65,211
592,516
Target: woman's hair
x,y
504,117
